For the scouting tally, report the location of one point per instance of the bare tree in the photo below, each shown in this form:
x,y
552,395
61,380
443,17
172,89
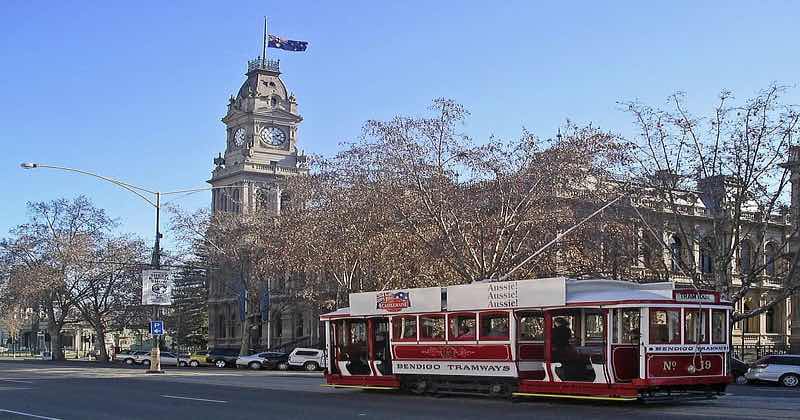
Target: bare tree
x,y
717,184
50,255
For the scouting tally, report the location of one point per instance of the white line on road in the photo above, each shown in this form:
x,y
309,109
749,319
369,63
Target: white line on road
x,y
20,413
194,399
16,380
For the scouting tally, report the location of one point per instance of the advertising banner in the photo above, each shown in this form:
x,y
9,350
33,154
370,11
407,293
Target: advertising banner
x,y
156,287
507,294
390,302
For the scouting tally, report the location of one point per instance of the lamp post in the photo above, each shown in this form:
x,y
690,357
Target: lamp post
x,y
155,201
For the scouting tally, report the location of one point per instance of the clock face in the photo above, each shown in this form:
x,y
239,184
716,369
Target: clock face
x,y
273,136
238,137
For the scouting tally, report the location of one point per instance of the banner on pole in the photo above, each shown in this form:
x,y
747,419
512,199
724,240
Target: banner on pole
x,y
156,287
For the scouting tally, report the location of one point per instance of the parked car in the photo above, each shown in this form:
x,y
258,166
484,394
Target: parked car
x,y
3,349
133,357
268,360
308,359
198,358
167,359
738,370
784,370
222,357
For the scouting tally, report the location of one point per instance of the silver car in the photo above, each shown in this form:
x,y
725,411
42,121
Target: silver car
x,y
783,369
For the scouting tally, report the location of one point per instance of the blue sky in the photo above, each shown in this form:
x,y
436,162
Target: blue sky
x,y
136,90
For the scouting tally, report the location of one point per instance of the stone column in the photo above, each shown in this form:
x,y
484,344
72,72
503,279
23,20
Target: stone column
x,y
794,323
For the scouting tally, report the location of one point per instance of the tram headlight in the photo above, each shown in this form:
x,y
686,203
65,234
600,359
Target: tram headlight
x,y
691,369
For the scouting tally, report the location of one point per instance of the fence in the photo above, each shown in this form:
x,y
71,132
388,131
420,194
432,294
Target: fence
x,y
751,352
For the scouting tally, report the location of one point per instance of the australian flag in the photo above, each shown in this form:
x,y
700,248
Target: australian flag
x,y
286,44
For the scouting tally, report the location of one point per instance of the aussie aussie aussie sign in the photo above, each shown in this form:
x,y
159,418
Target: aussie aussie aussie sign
x,y
156,287
507,294
428,299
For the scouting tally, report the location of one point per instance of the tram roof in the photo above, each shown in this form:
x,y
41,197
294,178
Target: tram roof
x,y
519,294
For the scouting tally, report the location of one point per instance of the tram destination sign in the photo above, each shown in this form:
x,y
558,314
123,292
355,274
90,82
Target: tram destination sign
x,y
695,296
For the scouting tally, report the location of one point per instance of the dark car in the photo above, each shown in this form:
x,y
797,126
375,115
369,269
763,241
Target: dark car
x,y
222,357
738,369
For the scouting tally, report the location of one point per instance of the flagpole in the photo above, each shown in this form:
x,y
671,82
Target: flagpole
x,y
264,48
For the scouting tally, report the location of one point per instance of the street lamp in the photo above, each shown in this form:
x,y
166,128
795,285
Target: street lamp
x,y
155,201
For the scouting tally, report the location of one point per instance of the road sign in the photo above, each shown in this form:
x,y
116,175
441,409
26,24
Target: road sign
x,y
157,327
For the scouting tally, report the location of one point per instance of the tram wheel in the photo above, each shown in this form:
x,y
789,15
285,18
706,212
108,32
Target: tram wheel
x,y
499,390
418,387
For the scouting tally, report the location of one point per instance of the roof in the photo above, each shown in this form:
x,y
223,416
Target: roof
x,y
600,290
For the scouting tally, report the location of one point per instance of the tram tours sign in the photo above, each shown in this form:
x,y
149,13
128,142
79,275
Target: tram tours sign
x,y
156,287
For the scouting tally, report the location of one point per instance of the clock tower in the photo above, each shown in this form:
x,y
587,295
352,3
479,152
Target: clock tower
x,y
260,143
260,154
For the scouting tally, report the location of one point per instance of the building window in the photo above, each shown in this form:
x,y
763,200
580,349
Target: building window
x,y
299,322
278,324
676,250
770,255
752,324
221,326
745,252
706,257
773,321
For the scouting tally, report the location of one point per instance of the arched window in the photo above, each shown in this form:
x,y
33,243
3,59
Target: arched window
x,y
745,253
676,249
299,321
278,322
770,255
707,256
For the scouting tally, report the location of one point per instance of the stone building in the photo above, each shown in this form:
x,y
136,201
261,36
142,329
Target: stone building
x,y
261,152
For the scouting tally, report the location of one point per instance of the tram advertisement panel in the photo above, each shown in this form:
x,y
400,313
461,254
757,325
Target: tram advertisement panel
x,y
460,368
687,348
684,365
507,294
389,302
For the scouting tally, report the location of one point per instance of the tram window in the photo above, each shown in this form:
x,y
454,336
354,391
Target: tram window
x,y
594,330
665,326
695,326
431,327
718,331
405,328
462,327
358,332
494,326
626,326
531,327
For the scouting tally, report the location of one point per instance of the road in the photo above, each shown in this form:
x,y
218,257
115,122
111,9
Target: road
x,y
87,391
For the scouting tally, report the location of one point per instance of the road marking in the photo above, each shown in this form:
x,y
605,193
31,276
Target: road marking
x,y
194,399
13,388
20,413
16,380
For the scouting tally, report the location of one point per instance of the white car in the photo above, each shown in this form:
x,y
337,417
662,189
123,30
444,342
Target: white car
x,y
167,359
308,359
268,360
783,369
132,357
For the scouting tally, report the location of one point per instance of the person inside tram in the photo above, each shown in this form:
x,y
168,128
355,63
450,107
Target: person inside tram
x,y
562,334
466,330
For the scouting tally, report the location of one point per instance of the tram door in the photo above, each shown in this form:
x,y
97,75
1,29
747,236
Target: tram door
x,y
380,350
530,345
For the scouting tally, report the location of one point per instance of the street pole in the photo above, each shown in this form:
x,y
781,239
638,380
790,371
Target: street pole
x,y
155,352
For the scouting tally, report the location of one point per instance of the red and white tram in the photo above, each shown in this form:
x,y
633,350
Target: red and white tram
x,y
544,337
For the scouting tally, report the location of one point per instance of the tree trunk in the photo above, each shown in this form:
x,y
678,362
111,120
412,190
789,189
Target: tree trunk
x,y
54,330
244,349
100,343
